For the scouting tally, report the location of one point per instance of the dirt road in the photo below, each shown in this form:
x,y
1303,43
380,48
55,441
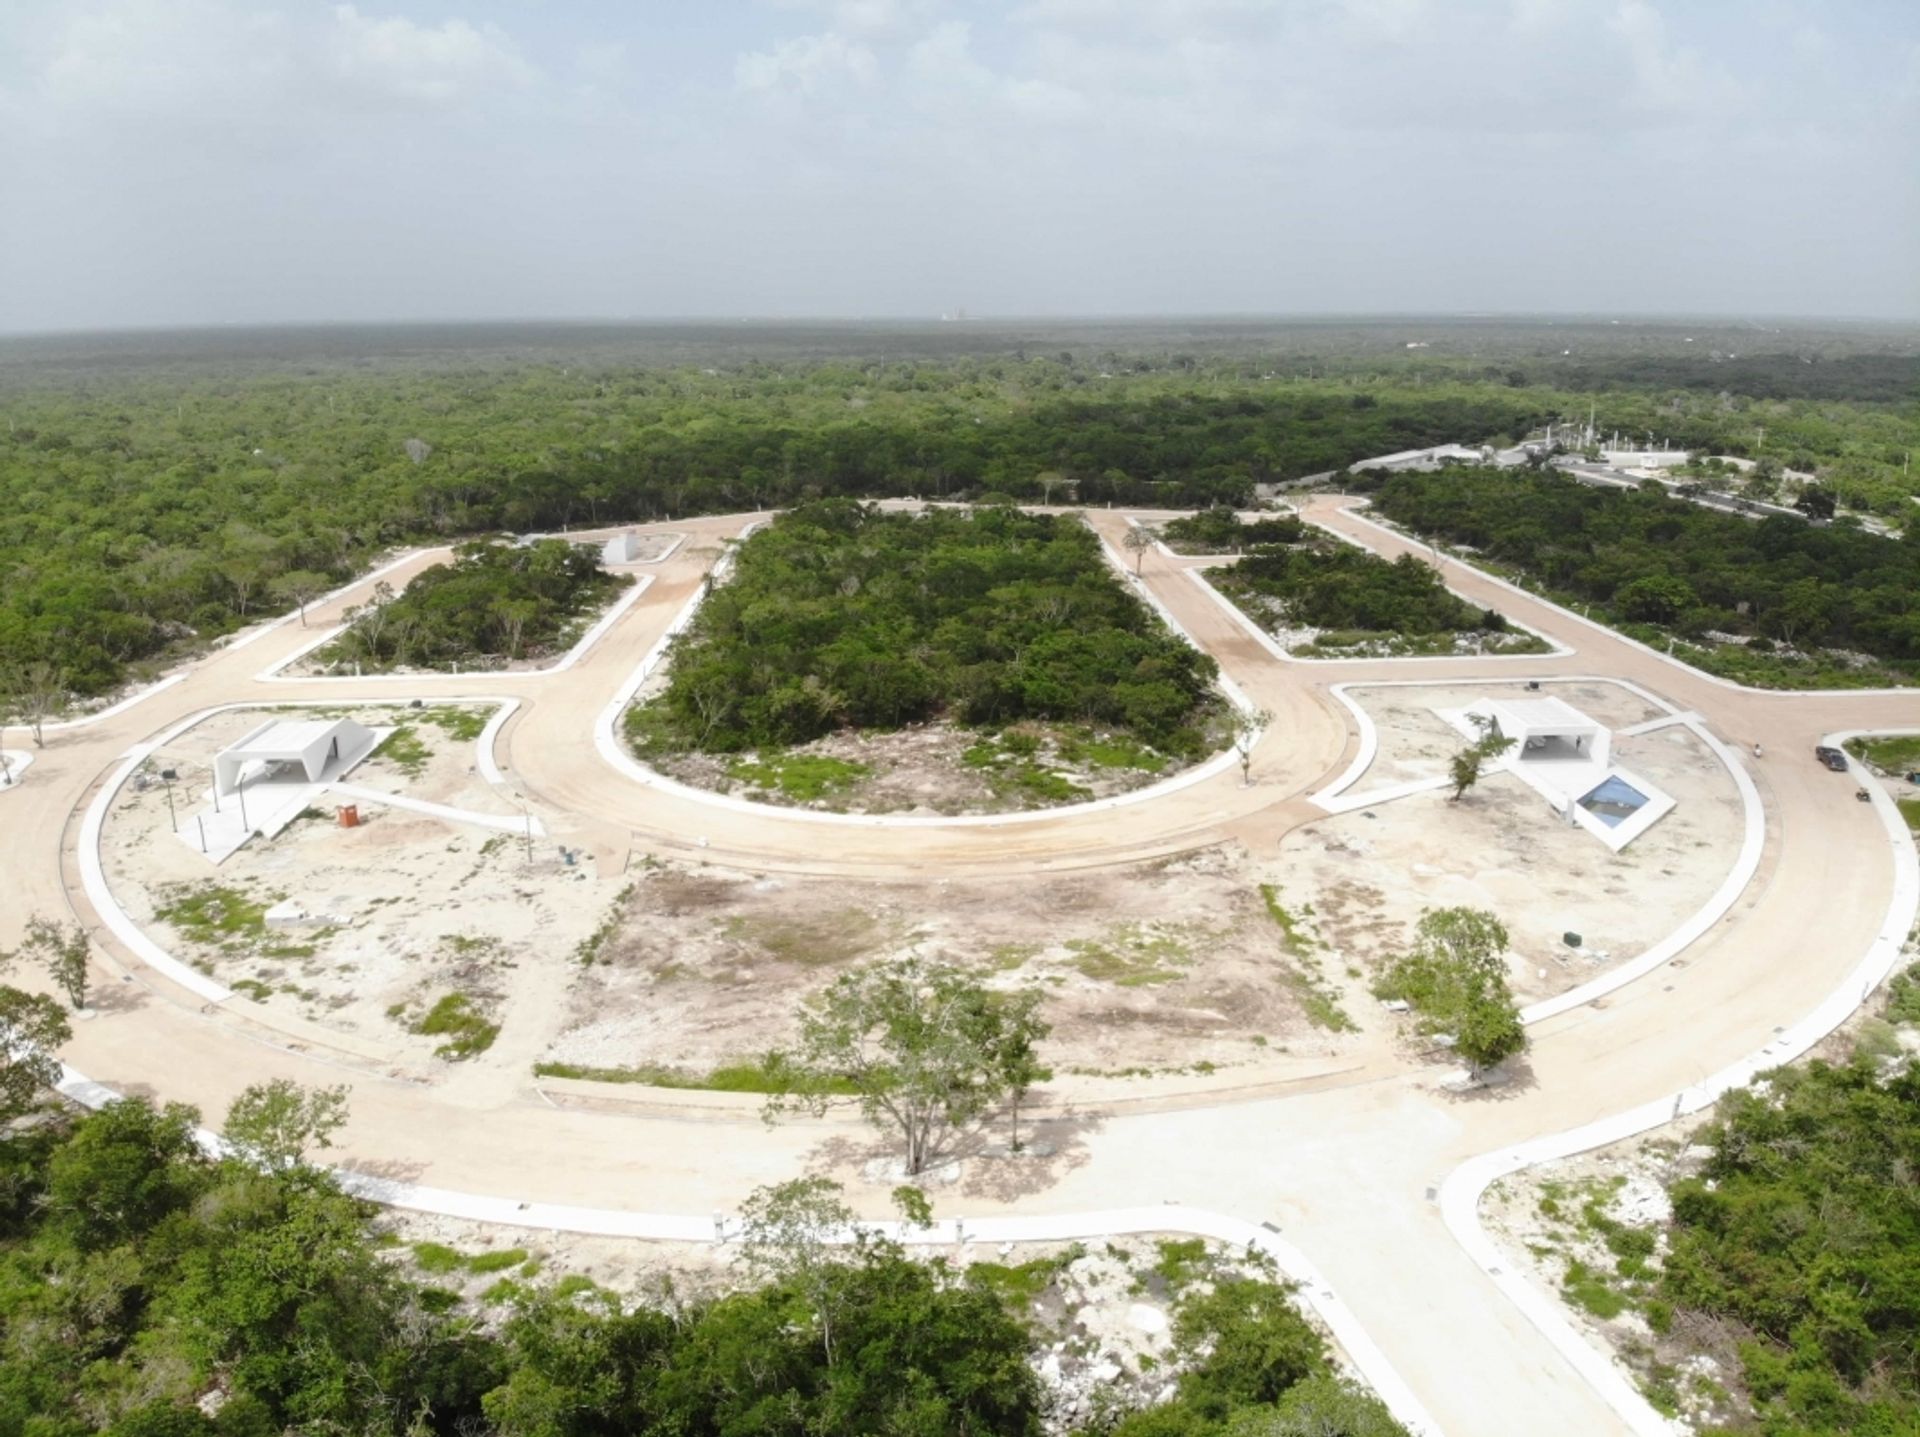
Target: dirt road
x,y
1347,1169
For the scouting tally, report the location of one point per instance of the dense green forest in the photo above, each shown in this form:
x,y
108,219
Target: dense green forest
x,y
160,490
839,614
149,1291
495,600
1219,530
1800,1240
1361,600
1648,559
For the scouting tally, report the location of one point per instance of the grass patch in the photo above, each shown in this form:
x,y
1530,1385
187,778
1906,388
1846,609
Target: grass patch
x,y
1110,750
744,1077
804,778
1903,997
1181,1261
1889,755
466,1029
813,942
1910,810
1592,1292
1006,957
437,1258
1019,1286
506,1257
215,915
1303,974
1133,955
463,725
405,751
589,949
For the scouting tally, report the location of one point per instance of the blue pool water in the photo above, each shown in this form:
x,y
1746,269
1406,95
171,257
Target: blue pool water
x,y
1613,800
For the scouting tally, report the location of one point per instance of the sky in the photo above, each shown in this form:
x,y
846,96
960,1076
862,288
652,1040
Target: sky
x,y
188,162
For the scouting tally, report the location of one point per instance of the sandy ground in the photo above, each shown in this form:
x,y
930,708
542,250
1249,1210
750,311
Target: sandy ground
x,y
1502,849
922,769
1172,965
416,906
1102,1313
1342,1166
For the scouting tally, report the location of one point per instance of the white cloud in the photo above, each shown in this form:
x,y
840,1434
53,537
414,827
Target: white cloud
x,y
402,58
805,65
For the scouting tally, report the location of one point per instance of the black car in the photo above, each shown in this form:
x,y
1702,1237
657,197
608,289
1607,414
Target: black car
x,y
1832,758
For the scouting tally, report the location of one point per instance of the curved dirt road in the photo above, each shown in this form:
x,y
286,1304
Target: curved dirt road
x,y
1345,1168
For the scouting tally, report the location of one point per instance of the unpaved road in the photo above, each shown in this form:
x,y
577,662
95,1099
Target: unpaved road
x,y
1344,1167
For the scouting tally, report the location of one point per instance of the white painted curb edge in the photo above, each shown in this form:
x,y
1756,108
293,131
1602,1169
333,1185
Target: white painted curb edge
x,y
1460,1192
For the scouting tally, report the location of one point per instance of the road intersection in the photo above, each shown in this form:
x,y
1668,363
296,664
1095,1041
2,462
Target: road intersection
x,y
1351,1170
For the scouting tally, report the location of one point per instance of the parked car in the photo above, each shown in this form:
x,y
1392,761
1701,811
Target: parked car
x,y
1832,758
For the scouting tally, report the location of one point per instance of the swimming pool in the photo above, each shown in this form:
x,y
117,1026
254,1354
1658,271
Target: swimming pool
x,y
1613,800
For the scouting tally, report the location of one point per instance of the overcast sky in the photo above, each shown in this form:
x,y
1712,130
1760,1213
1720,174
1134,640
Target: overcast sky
x,y
214,161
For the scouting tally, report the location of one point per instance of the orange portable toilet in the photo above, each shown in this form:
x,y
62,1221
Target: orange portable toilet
x,y
350,815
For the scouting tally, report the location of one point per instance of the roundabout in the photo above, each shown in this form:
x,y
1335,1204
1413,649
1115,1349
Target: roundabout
x,y
1362,1173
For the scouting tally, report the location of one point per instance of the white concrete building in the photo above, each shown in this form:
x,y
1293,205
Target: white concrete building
x,y
1548,731
1567,758
322,750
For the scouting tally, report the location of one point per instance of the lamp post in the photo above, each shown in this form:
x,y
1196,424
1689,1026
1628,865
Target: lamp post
x,y
167,776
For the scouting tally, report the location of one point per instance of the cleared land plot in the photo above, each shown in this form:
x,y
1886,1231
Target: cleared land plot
x,y
936,768
431,932
1502,849
1169,966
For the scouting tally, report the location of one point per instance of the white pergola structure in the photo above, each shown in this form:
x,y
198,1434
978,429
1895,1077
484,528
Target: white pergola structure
x,y
322,749
1567,758
1547,731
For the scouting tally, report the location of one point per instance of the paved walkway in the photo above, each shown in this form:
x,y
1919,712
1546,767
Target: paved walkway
x,y
1350,1170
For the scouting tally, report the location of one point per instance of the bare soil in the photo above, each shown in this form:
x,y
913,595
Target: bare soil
x,y
925,769
416,907
1147,968
1502,848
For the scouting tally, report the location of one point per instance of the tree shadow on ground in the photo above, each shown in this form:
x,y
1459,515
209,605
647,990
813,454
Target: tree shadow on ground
x,y
121,996
1051,1148
393,1170
1515,1079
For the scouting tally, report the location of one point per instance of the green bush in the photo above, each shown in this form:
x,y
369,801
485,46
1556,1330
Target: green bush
x,y
841,615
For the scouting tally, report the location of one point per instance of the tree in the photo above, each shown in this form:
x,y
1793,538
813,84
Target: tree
x,y
61,951
33,692
791,1233
1138,540
1012,1033
1248,725
31,1027
1318,1406
1467,765
271,1125
1816,501
1455,978
914,1042
299,587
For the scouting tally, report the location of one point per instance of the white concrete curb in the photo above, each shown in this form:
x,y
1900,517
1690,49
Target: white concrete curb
x,y
1554,650
93,877
1746,863
139,696
1313,1290
275,673
1352,512
606,741
1461,1191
